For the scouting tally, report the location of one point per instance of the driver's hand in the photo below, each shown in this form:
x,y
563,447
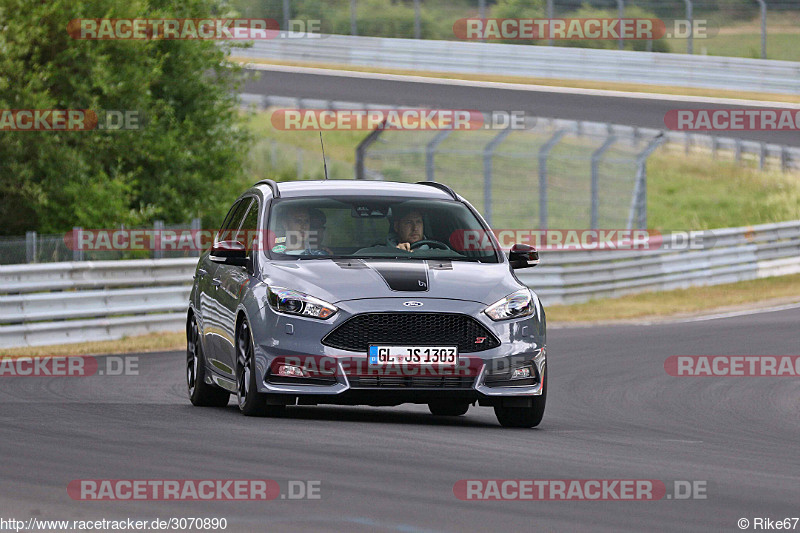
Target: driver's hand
x,y
404,246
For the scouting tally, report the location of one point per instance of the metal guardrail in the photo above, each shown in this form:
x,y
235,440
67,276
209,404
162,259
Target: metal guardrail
x,y
60,303
738,74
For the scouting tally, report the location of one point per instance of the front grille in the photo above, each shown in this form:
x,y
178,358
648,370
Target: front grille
x,y
409,382
411,329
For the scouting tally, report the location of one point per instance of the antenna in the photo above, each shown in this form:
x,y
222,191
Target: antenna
x,y
324,163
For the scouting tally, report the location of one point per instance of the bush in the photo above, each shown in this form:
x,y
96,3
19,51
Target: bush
x,y
186,161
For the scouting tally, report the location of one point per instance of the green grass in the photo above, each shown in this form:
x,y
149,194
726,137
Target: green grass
x,y
699,193
697,300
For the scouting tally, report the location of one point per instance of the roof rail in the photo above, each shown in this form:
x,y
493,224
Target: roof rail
x,y
441,187
276,193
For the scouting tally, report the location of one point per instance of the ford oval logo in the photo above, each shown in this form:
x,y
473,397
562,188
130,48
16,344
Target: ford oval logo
x,y
412,304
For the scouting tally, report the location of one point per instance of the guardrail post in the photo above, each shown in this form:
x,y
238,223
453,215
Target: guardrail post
x,y
361,149
738,151
690,18
621,8
77,250
430,153
714,146
544,151
596,156
763,5
784,159
639,201
30,246
488,152
762,156
158,230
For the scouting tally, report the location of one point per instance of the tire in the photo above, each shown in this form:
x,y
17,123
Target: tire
x,y
523,417
448,408
251,402
201,394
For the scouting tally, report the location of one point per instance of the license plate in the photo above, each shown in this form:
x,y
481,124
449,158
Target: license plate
x,y
413,355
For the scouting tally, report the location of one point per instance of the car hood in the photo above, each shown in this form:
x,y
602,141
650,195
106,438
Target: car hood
x,y
337,280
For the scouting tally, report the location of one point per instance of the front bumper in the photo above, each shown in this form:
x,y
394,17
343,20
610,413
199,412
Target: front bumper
x,y
344,380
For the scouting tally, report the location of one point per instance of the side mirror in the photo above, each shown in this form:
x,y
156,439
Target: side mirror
x,y
229,253
523,256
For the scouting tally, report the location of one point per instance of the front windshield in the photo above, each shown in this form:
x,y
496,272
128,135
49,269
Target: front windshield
x,y
374,228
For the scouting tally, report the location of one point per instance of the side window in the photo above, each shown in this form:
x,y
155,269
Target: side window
x,y
248,233
233,221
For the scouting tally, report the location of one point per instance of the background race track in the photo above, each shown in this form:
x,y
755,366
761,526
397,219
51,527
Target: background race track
x,y
613,412
646,111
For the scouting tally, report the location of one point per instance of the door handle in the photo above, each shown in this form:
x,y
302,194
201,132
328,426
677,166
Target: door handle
x,y
216,282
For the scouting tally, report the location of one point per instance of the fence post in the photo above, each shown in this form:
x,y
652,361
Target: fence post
x,y
353,29
77,250
639,201
550,15
430,153
417,23
596,156
158,230
544,151
299,157
30,246
488,152
690,18
621,8
361,149
285,15
196,228
763,5
482,13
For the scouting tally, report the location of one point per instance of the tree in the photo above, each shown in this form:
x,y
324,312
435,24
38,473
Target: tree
x,y
186,160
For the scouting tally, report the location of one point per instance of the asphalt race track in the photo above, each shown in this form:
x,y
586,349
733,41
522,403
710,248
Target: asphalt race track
x,y
646,112
613,413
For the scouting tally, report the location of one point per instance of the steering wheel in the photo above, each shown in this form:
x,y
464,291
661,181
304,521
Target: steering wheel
x,y
432,243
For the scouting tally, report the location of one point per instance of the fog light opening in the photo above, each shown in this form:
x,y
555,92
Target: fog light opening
x,y
522,373
290,371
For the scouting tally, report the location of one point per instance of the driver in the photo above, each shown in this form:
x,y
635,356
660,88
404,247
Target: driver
x,y
408,228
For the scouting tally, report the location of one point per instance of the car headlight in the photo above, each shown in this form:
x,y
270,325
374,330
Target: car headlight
x,y
514,305
296,303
